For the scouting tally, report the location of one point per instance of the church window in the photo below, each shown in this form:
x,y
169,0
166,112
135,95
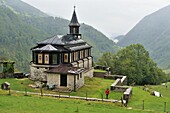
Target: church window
x,y
70,57
86,53
40,58
35,57
66,57
89,52
76,56
46,58
81,54
54,58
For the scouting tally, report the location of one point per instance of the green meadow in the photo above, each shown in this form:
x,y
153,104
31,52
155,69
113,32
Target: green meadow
x,y
94,87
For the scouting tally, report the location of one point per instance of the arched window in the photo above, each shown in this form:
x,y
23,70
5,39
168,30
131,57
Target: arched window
x,y
46,58
40,58
65,57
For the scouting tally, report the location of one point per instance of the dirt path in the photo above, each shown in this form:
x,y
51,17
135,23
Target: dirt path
x,y
67,96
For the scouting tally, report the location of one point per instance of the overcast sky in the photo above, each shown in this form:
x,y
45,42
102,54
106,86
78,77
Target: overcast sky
x,y
112,17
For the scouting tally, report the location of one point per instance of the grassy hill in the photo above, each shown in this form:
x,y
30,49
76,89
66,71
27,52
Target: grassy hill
x,y
22,25
153,32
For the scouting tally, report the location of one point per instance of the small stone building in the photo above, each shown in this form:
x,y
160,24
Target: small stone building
x,y
63,61
6,69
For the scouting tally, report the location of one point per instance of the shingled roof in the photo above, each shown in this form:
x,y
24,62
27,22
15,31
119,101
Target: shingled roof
x,y
46,48
64,40
66,69
74,20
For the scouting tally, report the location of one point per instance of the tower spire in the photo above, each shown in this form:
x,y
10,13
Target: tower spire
x,y
74,24
74,20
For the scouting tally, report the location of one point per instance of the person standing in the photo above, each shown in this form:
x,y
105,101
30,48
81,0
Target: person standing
x,y
107,93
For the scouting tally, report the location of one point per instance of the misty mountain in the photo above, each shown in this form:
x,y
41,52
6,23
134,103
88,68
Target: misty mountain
x,y
153,31
118,38
22,25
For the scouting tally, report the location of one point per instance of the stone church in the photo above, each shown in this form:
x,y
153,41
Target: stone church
x,y
62,61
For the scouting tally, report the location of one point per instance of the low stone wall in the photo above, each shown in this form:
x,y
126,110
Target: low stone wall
x,y
120,81
102,68
120,88
118,85
100,75
127,94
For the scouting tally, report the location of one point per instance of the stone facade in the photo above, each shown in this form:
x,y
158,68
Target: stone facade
x,y
86,63
89,73
90,62
37,72
74,82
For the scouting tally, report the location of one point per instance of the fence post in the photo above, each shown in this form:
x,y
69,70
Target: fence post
x,y
25,92
59,95
69,94
86,95
143,105
41,91
102,97
164,106
9,91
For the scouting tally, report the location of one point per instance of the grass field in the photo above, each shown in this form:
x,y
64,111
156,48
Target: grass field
x,y
94,88
36,104
18,84
151,103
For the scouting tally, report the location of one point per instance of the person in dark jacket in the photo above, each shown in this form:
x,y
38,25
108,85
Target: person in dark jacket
x,y
107,93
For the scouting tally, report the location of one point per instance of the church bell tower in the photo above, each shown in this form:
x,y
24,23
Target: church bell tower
x,y
74,25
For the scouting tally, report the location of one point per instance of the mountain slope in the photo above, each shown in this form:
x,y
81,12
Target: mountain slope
x,y
22,8
20,30
154,33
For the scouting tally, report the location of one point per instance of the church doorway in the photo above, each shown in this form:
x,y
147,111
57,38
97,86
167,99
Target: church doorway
x,y
63,80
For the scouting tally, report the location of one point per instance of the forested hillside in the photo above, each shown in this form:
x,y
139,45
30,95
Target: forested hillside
x,y
134,62
20,29
16,38
154,33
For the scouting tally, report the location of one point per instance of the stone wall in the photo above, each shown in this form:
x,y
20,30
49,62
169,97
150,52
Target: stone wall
x,y
89,72
74,64
54,79
80,81
127,94
85,63
70,82
80,63
90,65
37,73
99,74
